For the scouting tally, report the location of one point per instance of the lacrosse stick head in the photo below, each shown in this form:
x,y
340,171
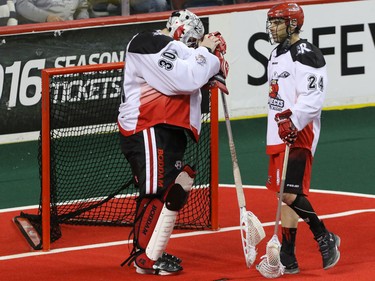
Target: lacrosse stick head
x,y
252,233
271,266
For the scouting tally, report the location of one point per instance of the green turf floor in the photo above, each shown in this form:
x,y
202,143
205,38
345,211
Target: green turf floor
x,y
343,161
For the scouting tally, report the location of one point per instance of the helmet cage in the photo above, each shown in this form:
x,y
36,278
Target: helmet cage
x,y
277,22
186,27
291,13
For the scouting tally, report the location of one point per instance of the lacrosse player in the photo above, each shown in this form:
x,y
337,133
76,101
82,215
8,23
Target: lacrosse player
x,y
161,105
297,78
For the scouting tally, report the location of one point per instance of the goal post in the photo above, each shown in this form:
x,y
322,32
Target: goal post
x,y
85,179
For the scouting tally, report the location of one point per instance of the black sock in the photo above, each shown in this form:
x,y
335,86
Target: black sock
x,y
306,212
289,240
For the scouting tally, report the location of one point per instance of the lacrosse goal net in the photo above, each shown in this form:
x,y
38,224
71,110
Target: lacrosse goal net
x,y
85,179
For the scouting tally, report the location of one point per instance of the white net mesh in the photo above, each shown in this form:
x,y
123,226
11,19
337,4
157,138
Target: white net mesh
x,y
271,266
252,233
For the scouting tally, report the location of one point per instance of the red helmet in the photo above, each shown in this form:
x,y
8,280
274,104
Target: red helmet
x,y
287,11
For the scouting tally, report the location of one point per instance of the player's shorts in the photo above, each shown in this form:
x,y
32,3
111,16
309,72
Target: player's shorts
x,y
298,174
155,156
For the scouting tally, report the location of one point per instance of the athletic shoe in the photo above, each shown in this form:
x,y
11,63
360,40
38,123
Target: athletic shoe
x,y
171,257
162,266
290,263
328,246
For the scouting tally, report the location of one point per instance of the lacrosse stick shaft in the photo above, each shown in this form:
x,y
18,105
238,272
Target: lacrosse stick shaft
x,y
282,184
233,154
271,266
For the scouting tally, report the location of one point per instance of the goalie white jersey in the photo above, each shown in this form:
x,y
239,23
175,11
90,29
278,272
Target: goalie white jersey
x,y
297,81
161,86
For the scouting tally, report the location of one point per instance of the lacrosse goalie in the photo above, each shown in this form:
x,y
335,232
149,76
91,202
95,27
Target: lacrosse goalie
x,y
160,108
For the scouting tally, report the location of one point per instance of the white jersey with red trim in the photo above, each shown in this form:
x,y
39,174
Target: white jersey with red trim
x,y
298,80
162,83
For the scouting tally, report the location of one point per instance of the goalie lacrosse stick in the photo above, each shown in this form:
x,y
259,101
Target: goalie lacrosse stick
x,y
271,266
252,231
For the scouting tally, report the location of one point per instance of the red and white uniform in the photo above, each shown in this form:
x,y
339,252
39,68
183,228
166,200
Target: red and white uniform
x,y
297,81
163,89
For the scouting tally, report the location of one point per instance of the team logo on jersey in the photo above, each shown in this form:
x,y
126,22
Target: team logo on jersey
x,y
201,60
274,88
274,101
302,48
285,74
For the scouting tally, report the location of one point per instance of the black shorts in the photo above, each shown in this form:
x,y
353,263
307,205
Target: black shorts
x,y
155,156
298,175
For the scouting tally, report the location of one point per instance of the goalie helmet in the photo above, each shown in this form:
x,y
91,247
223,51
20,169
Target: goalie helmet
x,y
186,27
289,12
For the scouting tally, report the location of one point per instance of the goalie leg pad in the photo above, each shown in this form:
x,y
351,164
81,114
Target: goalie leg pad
x,y
177,194
161,234
150,210
158,217
154,232
175,198
186,178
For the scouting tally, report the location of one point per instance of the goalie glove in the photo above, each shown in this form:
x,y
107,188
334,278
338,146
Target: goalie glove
x,y
287,130
220,51
222,46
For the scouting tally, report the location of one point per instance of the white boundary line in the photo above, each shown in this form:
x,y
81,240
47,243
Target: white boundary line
x,y
311,190
179,235
19,137
22,208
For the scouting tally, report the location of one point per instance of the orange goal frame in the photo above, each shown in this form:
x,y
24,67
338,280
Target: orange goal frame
x,y
45,136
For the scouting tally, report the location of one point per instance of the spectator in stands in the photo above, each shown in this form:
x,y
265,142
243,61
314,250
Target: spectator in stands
x,y
104,8
185,4
147,6
51,10
8,14
114,7
249,1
